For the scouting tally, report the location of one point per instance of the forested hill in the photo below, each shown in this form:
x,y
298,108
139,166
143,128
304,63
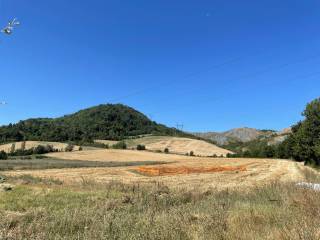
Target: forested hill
x,y
110,121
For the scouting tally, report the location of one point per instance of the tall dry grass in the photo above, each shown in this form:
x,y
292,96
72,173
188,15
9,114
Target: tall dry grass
x,y
41,210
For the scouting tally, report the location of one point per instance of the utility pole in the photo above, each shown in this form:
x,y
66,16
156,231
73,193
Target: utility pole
x,y
179,127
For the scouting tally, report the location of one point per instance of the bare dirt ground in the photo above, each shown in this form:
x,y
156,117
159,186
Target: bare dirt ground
x,y
178,145
181,171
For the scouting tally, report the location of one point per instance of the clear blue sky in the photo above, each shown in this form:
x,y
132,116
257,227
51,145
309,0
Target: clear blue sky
x,y
211,65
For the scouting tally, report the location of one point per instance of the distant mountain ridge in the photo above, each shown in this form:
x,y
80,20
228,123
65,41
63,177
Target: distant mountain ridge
x,y
242,135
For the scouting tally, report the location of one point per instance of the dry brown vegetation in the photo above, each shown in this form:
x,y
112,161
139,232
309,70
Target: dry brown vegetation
x,y
166,171
46,209
178,145
186,198
253,172
32,144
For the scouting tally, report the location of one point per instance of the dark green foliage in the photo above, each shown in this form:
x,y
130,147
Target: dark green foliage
x,y
120,145
40,150
141,147
302,145
166,150
94,144
191,153
112,122
304,142
3,155
254,149
37,150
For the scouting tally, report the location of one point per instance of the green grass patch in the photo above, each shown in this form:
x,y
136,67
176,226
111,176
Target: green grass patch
x,y
52,163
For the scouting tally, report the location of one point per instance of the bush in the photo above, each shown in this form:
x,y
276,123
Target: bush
x,y
230,155
141,147
37,150
120,145
191,153
69,148
94,144
40,150
166,150
3,155
80,148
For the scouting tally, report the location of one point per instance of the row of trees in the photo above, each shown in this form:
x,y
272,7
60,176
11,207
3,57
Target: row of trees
x,y
40,149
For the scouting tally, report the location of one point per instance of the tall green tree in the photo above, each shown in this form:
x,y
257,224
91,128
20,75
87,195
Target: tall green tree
x,y
304,142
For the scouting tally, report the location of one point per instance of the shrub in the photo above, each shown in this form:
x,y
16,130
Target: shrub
x,y
120,145
94,144
166,150
191,153
3,155
69,148
80,148
141,147
40,150
230,155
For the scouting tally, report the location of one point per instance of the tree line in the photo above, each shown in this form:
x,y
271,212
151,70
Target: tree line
x,y
303,144
109,121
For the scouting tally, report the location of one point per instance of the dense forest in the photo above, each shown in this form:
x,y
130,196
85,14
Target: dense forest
x,y
303,144
110,121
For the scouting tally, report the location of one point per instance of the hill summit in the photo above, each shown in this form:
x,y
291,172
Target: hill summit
x,y
107,121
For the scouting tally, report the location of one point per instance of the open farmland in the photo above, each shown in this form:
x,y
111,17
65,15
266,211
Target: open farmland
x,y
178,145
175,170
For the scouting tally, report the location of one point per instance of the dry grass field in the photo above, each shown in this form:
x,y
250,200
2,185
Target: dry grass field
x,y
145,195
179,171
178,145
32,144
106,142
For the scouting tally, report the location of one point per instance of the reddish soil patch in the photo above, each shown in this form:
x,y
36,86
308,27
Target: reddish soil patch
x,y
165,171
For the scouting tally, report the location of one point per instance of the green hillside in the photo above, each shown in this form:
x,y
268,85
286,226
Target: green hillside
x,y
109,121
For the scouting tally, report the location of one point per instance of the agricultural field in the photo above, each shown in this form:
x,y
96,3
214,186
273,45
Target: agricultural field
x,y
130,194
178,145
46,208
172,170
